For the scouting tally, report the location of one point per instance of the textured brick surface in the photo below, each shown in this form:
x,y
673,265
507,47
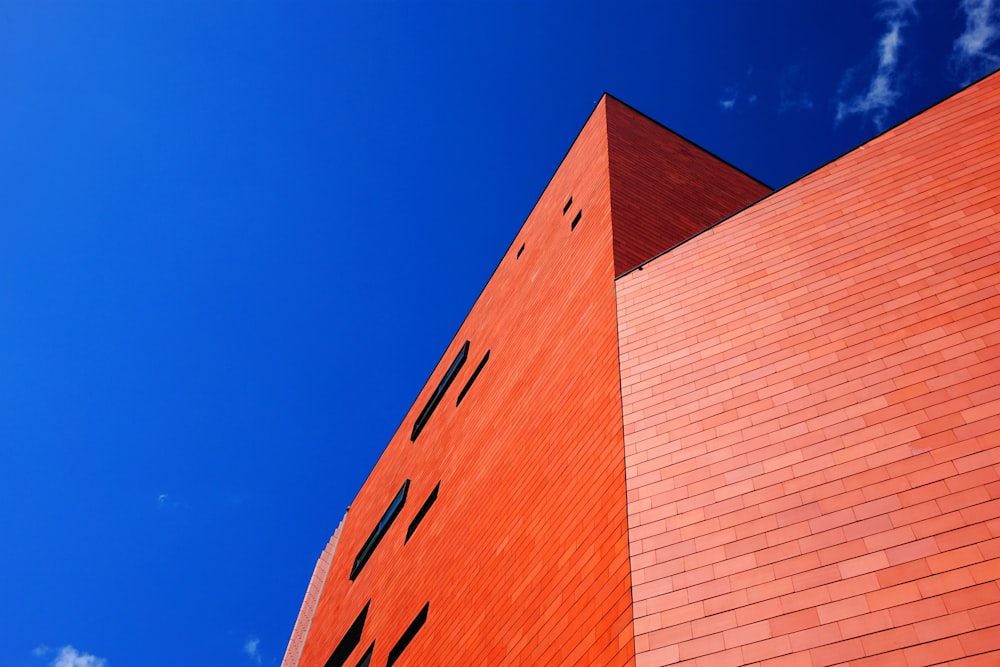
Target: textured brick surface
x,y
304,620
812,414
523,558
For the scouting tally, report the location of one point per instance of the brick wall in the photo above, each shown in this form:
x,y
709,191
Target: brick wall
x,y
304,620
523,558
811,395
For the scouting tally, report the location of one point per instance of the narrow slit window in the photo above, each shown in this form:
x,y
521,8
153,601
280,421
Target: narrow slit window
x,y
350,641
383,525
579,214
366,659
568,204
408,636
520,250
422,512
442,387
472,378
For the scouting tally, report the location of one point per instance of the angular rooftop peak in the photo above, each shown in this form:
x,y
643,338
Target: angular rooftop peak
x,y
664,188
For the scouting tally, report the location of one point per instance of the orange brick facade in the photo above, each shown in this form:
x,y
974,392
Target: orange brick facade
x,y
811,393
774,444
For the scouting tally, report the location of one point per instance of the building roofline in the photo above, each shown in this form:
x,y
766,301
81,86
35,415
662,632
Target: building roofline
x,y
811,171
686,139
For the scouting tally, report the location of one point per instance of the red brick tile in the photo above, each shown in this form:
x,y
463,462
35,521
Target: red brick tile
x,y
894,596
841,652
864,564
815,577
714,624
920,610
985,571
853,587
981,512
890,659
841,609
842,552
974,596
789,660
950,560
985,616
669,636
812,597
856,626
981,641
748,634
769,648
962,537
759,611
981,660
701,646
944,582
889,640
915,513
937,524
911,551
944,626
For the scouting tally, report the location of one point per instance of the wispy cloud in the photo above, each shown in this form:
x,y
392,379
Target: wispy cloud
x,y
70,657
250,648
166,502
737,94
728,99
972,54
883,88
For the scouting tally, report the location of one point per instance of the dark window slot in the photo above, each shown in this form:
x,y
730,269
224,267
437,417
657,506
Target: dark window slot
x,y
519,252
568,204
383,525
408,636
366,659
350,641
422,511
475,374
572,226
442,387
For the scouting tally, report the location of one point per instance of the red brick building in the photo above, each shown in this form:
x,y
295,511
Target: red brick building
x,y
693,421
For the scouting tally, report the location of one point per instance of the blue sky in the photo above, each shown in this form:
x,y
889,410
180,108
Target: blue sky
x,y
236,237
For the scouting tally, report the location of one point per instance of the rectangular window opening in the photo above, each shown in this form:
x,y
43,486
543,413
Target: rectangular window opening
x,y
366,659
421,512
568,204
519,252
442,387
350,641
472,378
579,214
383,525
408,636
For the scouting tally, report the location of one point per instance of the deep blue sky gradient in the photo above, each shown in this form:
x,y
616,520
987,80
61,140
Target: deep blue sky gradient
x,y
236,237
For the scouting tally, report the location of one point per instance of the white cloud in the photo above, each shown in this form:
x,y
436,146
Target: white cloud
x,y
732,94
70,657
971,52
167,502
39,651
883,90
250,648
